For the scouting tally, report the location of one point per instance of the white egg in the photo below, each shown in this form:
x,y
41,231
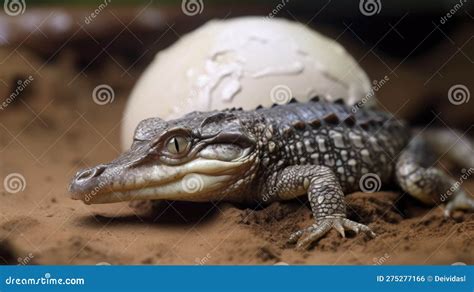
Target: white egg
x,y
243,62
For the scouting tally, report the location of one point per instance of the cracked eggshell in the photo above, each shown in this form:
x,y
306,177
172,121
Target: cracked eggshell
x,y
243,62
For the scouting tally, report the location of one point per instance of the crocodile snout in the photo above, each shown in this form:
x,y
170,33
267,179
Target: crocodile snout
x,y
85,181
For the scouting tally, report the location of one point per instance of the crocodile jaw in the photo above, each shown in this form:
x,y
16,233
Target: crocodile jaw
x,y
198,180
192,187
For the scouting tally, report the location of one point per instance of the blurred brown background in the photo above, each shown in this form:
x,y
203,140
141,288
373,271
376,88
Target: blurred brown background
x,y
424,47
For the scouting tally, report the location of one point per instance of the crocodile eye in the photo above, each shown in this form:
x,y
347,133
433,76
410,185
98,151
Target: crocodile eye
x,y
178,145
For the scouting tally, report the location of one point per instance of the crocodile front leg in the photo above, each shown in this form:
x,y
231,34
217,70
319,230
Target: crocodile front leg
x,y
325,196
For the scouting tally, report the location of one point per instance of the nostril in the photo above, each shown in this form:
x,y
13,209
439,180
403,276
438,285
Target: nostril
x,y
99,170
90,173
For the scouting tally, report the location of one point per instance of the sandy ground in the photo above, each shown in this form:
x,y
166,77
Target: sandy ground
x,y
41,225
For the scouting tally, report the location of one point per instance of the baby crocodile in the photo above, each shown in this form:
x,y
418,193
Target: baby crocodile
x,y
320,149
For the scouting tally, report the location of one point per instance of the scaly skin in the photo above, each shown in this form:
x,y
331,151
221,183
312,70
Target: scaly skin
x,y
320,149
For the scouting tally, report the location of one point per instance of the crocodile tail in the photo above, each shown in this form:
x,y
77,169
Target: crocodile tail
x,y
454,145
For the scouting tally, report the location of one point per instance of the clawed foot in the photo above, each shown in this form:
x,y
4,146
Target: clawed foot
x,y
318,230
462,201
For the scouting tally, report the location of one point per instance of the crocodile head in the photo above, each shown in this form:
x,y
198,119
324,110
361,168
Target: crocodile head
x,y
195,158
